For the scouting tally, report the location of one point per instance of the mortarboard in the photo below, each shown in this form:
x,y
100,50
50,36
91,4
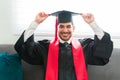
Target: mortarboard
x,y
64,16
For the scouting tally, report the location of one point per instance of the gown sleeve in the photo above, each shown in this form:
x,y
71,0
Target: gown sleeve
x,y
30,51
97,52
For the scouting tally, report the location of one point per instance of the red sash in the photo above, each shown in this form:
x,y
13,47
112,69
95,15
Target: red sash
x,y
52,61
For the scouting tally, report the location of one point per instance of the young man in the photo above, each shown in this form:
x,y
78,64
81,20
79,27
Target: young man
x,y
65,58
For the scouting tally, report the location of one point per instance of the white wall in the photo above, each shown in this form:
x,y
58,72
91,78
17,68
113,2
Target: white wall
x,y
8,23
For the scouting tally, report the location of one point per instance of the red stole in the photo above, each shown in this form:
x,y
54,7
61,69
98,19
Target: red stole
x,y
52,60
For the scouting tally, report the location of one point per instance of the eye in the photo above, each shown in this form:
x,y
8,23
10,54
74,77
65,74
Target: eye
x,y
61,26
68,26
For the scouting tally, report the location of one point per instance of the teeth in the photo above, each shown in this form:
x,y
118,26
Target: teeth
x,y
65,34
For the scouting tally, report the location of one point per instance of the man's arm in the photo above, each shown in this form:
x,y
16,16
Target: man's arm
x,y
89,19
30,30
97,30
39,19
97,51
29,50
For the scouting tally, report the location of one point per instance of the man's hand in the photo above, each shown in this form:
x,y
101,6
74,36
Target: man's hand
x,y
88,18
41,17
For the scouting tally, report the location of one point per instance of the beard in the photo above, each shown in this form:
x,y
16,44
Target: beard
x,y
65,36
64,33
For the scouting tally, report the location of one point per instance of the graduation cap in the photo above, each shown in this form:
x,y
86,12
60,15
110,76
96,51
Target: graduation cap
x,y
64,16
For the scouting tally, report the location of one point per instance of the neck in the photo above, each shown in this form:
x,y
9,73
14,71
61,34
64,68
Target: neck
x,y
62,41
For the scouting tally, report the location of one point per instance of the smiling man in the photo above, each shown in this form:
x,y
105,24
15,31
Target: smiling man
x,y
65,58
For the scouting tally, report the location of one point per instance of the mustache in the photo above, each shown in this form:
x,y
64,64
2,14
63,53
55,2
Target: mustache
x,y
65,32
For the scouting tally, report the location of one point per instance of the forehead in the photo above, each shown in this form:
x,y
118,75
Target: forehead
x,y
68,23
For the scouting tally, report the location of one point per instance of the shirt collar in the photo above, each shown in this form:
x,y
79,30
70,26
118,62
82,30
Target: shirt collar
x,y
64,41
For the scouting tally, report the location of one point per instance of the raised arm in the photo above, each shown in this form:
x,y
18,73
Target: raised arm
x,y
40,17
89,19
26,47
97,51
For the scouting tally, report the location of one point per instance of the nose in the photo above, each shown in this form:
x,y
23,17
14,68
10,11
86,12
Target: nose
x,y
65,29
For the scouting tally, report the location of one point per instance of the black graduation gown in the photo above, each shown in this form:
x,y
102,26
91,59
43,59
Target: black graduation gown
x,y
96,52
